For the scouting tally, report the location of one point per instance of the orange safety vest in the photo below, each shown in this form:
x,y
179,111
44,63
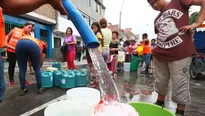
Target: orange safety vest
x,y
37,41
2,30
16,35
147,48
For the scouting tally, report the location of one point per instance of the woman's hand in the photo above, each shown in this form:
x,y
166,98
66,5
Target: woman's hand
x,y
189,27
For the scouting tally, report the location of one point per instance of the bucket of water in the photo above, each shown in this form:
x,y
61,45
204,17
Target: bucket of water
x,y
147,109
140,50
69,108
135,63
84,94
127,67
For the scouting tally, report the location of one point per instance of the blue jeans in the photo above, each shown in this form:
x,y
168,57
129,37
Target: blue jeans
x,y
2,80
105,54
147,58
28,49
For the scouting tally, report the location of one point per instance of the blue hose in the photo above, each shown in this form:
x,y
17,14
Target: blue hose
x,y
82,26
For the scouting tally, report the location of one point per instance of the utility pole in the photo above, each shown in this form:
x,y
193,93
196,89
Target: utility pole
x,y
120,19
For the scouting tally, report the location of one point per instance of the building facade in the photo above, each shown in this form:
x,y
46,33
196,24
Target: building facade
x,y
44,19
91,10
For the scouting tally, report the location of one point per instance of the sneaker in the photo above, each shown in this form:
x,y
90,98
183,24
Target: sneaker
x,y
145,72
114,76
11,83
23,92
41,90
27,83
179,113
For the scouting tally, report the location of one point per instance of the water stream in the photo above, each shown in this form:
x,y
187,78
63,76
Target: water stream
x,y
109,91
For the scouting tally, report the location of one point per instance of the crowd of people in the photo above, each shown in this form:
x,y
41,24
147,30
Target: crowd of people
x,y
171,55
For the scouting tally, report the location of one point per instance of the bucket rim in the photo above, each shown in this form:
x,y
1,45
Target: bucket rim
x,y
69,101
151,104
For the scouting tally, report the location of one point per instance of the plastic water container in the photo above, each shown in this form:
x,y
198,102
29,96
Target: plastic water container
x,y
81,79
127,67
69,108
135,63
84,70
56,65
56,77
47,79
67,80
84,94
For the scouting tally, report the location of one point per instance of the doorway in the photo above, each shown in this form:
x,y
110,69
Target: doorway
x,y
45,37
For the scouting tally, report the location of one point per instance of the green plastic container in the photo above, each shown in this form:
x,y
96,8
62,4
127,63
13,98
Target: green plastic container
x,y
56,65
56,77
135,63
67,80
47,79
147,109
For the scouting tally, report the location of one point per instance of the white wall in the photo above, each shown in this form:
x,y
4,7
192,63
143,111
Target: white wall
x,y
63,24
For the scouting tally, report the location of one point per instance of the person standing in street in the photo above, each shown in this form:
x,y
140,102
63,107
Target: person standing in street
x,y
173,54
146,52
17,7
71,41
107,38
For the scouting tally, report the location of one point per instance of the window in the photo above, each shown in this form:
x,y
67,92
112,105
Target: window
x,y
57,42
9,26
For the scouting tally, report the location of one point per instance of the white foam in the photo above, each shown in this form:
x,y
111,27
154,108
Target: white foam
x,y
117,110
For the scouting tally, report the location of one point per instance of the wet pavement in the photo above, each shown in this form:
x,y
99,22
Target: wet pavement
x,y
132,87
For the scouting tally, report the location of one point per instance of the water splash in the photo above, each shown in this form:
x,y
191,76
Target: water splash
x,y
109,91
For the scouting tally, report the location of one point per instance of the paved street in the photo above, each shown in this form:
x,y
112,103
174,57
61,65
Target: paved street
x,y
15,105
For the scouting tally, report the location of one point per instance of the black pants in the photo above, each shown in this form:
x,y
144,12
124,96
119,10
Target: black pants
x,y
78,54
12,64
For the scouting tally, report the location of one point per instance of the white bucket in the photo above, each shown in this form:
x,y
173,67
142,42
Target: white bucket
x,y
84,94
127,67
69,108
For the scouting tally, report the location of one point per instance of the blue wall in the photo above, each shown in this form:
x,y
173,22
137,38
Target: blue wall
x,y
38,27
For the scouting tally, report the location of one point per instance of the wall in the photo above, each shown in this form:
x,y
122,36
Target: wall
x,y
47,11
83,6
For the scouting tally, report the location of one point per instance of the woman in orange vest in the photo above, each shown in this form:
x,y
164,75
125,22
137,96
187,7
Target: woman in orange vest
x,y
43,48
146,52
32,48
17,7
11,40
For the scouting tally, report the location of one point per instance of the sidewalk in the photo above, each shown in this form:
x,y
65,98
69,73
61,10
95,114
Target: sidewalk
x,y
48,63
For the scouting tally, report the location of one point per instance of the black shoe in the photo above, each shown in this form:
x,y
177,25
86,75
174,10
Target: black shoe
x,y
180,113
0,101
145,72
23,92
41,90
160,103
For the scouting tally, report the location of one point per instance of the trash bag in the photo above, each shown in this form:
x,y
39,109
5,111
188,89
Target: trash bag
x,y
63,51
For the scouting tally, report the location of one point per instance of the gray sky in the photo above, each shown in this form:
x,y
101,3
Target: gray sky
x,y
136,14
